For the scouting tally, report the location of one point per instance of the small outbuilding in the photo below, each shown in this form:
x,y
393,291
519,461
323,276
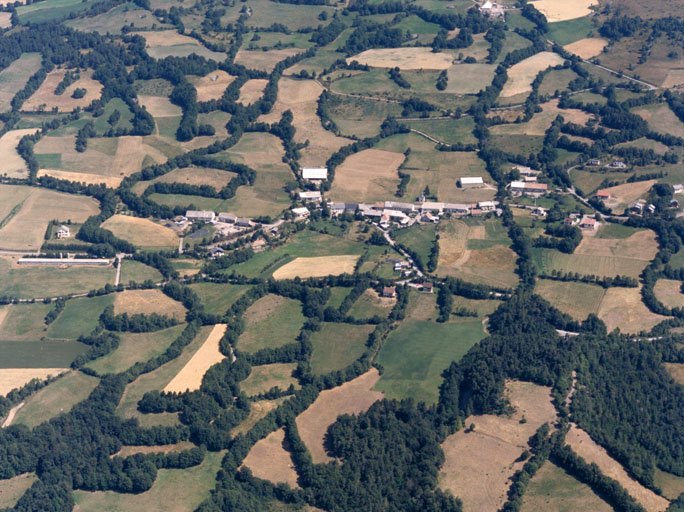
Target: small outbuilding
x,y
389,292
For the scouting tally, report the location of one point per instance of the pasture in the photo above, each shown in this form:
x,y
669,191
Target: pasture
x,y
272,321
14,77
660,118
80,316
13,165
587,48
12,489
46,99
13,378
522,74
51,10
358,116
352,397
56,398
217,298
252,90
212,85
138,272
147,302
404,58
169,43
265,377
622,308
115,19
294,16
567,32
557,80
450,131
469,78
576,299
141,232
419,238
369,175
189,176
159,106
563,11
23,322
269,459
190,377
370,304
479,463
337,345
669,292
264,61
319,266
541,121
39,354
257,410
5,20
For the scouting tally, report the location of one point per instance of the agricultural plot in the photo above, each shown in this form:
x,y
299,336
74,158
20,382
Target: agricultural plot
x,y
360,117
404,58
5,20
190,176
420,238
522,74
265,12
39,354
159,106
541,121
587,48
562,11
669,292
80,316
352,397
317,267
138,272
23,322
660,118
257,411
671,485
576,299
337,345
13,378
469,78
141,232
46,99
556,81
370,304
147,302
113,21
272,321
252,90
622,308
212,85
169,43
13,165
14,77
269,459
569,31
370,175
217,298
264,61
51,10
479,463
265,377
13,488
450,131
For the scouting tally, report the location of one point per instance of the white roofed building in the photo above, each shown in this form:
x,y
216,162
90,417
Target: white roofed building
x,y
313,195
314,174
202,215
471,182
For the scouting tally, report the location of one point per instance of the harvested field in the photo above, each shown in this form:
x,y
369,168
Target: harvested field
x,y
469,78
189,176
660,118
587,48
159,106
674,78
147,302
522,74
141,232
252,90
269,459
5,19
82,177
541,121
169,43
190,377
264,61
12,378
404,58
494,265
211,86
337,345
576,299
370,175
45,95
14,77
271,321
669,292
13,166
622,196
317,267
163,448
267,376
623,308
480,463
351,397
566,10
641,245
585,447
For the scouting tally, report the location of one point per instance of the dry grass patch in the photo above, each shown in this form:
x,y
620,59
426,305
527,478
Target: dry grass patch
x,y
674,78
190,377
13,166
494,265
159,106
165,38
479,464
164,448
269,460
541,121
622,196
190,176
585,447
147,302
576,299
267,376
641,246
587,48
264,61
82,177
676,371
211,86
669,292
521,75
555,10
14,77
12,378
404,58
252,90
370,175
623,308
5,19
257,411
12,489
352,397
141,232
317,267
45,95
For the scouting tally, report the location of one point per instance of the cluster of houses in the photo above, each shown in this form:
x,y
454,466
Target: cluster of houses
x,y
586,222
615,164
211,218
492,9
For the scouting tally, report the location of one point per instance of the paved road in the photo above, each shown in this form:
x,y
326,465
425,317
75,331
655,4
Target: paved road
x,y
649,86
403,253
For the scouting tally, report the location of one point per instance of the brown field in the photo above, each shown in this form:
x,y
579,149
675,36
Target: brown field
x,y
159,106
661,118
208,89
541,121
45,95
191,176
576,299
81,177
13,166
264,61
521,75
676,371
148,302
404,58
264,377
317,267
591,452
141,232
12,378
674,78
566,10
641,246
370,175
257,411
13,488
301,97
480,463
190,377
165,38
252,90
269,460
587,48
5,19
669,292
623,308
164,448
351,397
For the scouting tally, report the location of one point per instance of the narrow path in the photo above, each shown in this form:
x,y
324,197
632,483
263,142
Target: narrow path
x,y
11,415
118,270
393,244
180,246
650,87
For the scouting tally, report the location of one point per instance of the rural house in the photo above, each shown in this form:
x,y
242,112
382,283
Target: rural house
x,y
216,252
313,195
588,223
470,182
526,171
637,207
426,287
603,194
528,189
389,291
200,215
228,218
458,209
243,223
258,245
538,212
431,206
492,10
314,174
429,217
487,206
63,232
617,164
300,213
678,189
594,162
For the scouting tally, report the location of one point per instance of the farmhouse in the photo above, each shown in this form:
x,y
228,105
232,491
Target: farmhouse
x,y
459,209
492,10
228,218
300,213
431,206
538,212
63,232
530,189
603,194
389,291
426,287
571,219
526,171
258,245
487,206
402,207
594,162
200,215
314,195
314,174
588,223
429,217
470,182
637,207
216,252
384,221
243,223
617,164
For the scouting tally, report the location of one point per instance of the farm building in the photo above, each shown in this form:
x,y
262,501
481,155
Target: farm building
x,y
427,287
538,212
243,223
531,189
617,164
216,252
300,213
487,206
402,207
431,206
368,210
594,162
470,182
637,207
314,174
389,291
429,217
63,232
339,208
228,218
526,171
258,245
678,189
459,209
313,195
588,223
200,215
492,10
603,194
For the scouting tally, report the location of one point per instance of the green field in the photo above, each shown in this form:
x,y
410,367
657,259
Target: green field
x,y
114,20
12,489
24,322
566,32
217,298
14,77
548,260
416,353
556,80
58,397
39,354
337,345
419,238
360,117
337,295
136,347
450,131
138,272
576,299
267,376
271,322
671,485
265,12
369,305
50,10
80,316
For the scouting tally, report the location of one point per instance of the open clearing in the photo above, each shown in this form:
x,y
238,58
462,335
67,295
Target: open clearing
x,y
5,19
541,121
623,308
190,377
585,447
45,95
81,177
352,397
257,411
369,175
479,463
252,90
159,106
12,489
189,176
269,460
211,86
264,61
669,292
14,77
337,345
272,321
622,196
660,118
317,267
13,166
12,378
169,43
469,78
370,304
564,10
641,245
522,74
147,302
141,232
128,450
576,299
404,58
267,376
216,297
587,48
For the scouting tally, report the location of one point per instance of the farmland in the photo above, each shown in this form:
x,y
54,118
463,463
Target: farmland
x,y
169,43
270,322
147,302
217,298
576,299
13,378
265,377
141,232
522,74
404,58
269,459
15,76
45,98
369,175
336,346
13,165
317,267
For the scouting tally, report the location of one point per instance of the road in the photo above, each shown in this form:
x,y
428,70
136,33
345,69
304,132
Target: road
x,y
649,86
180,246
12,413
393,244
118,270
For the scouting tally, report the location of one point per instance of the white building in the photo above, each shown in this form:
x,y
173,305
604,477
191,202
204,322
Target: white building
x,y
228,218
314,174
312,195
63,232
201,215
471,182
300,213
431,206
